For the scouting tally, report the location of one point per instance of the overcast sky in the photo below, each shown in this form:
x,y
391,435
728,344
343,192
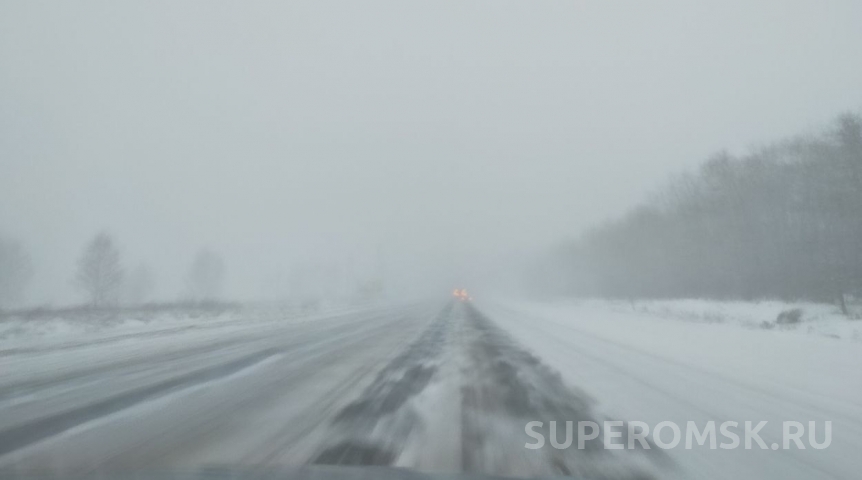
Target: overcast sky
x,y
435,135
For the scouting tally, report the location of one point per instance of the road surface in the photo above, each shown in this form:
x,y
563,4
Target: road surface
x,y
437,387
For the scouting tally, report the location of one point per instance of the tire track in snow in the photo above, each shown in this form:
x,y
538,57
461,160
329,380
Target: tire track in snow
x,y
373,429
34,431
497,387
22,435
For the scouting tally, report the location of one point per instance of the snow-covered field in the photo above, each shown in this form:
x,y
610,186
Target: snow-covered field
x,y
816,318
701,361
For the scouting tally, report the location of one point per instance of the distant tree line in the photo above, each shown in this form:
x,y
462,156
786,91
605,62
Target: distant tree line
x,y
784,221
103,280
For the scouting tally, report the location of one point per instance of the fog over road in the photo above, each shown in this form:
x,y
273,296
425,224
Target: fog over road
x,y
436,386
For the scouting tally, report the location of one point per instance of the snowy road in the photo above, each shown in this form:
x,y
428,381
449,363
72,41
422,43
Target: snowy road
x,y
224,395
436,387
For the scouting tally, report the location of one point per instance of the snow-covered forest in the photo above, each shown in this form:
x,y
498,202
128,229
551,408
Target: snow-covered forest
x,y
782,221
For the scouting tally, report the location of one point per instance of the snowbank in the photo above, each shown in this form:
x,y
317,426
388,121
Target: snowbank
x,y
816,318
45,327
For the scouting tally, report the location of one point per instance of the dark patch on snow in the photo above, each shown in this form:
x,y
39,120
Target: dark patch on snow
x,y
389,396
353,453
789,317
403,378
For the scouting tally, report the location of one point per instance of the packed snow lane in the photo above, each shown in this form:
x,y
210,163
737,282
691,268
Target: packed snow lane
x,y
458,400
223,398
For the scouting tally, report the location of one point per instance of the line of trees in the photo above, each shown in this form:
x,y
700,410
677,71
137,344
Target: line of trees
x,y
783,222
103,280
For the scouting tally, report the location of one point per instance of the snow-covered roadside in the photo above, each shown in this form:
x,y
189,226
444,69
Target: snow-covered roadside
x,y
54,329
817,364
816,318
21,329
643,366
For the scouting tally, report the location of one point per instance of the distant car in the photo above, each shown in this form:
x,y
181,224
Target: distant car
x,y
461,294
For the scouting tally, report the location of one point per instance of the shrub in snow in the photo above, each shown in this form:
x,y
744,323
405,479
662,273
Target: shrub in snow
x,y
789,316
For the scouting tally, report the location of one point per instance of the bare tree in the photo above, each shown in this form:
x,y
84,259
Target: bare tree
x,y
15,272
100,274
206,276
139,285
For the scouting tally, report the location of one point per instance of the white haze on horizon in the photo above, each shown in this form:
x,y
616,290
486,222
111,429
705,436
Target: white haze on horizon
x,y
428,141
